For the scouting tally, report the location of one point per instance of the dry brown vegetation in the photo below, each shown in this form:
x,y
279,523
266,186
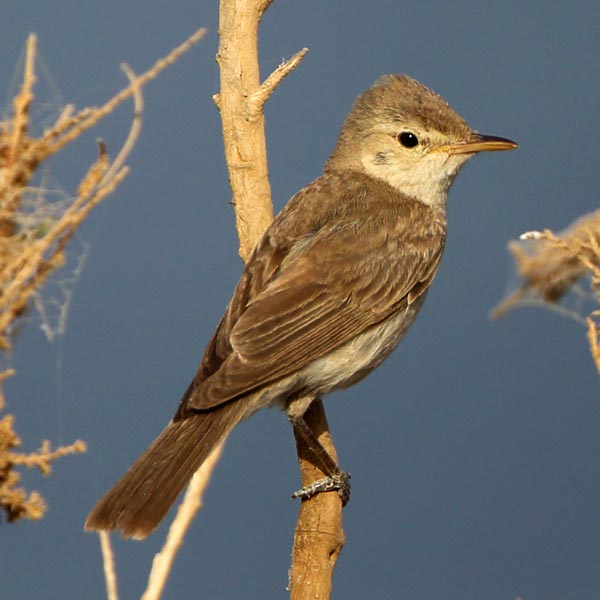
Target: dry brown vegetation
x,y
33,243
553,264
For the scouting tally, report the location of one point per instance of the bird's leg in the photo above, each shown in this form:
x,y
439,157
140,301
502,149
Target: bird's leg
x,y
336,478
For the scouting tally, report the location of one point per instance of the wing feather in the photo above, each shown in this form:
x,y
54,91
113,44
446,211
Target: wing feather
x,y
350,271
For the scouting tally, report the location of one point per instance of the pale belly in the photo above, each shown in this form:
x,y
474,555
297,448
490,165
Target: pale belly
x,y
339,369
356,359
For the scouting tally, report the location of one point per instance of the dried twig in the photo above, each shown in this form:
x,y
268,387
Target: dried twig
x,y
267,87
15,502
550,266
190,505
31,250
83,123
108,563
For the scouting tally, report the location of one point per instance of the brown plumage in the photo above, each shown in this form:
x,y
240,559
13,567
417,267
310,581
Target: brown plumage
x,y
327,294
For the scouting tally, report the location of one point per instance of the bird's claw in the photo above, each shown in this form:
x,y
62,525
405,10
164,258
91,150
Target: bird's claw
x,y
339,482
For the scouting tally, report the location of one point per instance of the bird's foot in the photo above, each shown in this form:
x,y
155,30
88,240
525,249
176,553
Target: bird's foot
x,y
339,482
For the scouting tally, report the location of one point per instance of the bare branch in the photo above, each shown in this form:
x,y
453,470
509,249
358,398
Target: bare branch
x,y
109,106
319,536
108,564
136,125
258,99
244,138
262,7
191,504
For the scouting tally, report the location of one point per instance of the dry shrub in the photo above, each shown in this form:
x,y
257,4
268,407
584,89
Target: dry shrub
x,y
552,265
33,243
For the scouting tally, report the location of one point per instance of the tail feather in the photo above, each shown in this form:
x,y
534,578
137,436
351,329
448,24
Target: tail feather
x,y
139,501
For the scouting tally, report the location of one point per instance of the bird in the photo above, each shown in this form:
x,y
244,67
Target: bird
x,y
327,294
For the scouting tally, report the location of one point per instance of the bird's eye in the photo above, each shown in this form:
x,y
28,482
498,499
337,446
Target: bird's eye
x,y
408,139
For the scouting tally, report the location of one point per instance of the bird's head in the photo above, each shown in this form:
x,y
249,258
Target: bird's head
x,y
401,132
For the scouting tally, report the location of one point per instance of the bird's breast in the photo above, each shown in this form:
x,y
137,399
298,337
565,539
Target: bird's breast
x,y
354,360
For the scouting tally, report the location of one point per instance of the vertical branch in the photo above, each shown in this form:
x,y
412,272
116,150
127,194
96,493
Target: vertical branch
x,y
243,134
319,536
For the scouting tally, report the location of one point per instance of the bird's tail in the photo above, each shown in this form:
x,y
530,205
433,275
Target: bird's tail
x,y
138,502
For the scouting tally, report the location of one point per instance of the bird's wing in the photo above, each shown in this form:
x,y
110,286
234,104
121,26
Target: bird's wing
x,y
350,275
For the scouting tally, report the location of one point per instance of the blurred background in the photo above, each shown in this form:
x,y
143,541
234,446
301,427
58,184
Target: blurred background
x,y
473,450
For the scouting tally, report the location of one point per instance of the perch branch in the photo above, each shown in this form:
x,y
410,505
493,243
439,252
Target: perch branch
x,y
319,536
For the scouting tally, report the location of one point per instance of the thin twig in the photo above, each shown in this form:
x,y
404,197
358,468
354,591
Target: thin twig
x,y
592,335
262,7
267,87
4,375
23,100
108,564
134,130
190,505
109,106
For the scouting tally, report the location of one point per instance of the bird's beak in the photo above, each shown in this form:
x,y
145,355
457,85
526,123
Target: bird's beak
x,y
478,142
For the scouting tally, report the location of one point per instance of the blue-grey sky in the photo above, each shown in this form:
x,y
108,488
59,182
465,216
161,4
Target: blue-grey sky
x,y
473,450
